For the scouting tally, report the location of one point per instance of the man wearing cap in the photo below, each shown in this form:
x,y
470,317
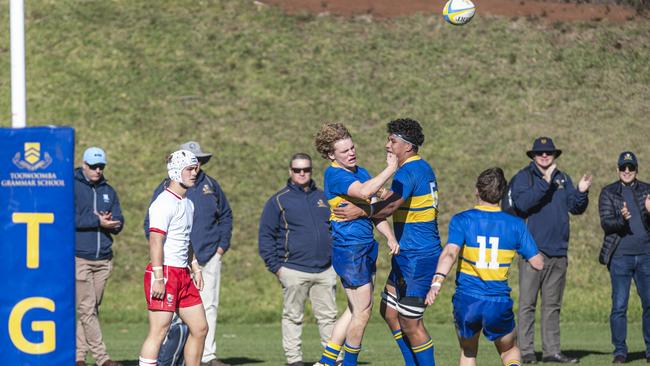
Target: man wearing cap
x,y
98,216
210,239
624,208
544,196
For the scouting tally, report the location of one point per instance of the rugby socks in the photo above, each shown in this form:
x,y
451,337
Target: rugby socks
x,y
513,363
147,362
330,354
407,353
351,355
424,353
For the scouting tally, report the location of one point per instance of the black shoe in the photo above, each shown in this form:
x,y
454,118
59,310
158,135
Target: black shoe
x,y
560,358
619,359
529,358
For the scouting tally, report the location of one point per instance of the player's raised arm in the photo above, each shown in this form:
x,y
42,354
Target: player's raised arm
x,y
368,188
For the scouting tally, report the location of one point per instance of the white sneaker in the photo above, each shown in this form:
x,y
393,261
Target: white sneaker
x,y
318,364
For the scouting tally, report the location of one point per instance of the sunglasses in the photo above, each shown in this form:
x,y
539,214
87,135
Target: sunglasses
x,y
542,153
96,166
629,167
300,170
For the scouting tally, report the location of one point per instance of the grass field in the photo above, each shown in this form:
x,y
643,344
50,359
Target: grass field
x,y
138,78
260,344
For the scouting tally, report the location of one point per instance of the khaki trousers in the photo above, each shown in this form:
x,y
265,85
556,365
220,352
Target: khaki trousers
x,y
91,278
210,297
297,286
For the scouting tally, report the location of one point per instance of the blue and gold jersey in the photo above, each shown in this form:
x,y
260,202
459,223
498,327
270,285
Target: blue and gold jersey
x,y
489,240
337,182
415,221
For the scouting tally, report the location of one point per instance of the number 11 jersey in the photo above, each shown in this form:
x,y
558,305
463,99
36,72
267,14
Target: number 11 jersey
x,y
489,239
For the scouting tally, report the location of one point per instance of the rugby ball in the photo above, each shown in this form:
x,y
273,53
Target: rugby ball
x,y
458,12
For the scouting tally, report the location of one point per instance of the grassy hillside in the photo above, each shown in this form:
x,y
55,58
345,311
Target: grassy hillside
x,y
253,85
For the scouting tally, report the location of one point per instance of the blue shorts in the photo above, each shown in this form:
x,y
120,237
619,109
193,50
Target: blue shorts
x,y
493,314
355,264
411,275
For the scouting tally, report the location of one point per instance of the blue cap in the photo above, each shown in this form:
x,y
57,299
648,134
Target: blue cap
x,y
627,158
94,155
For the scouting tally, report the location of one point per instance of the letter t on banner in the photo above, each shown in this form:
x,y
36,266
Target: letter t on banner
x,y
37,246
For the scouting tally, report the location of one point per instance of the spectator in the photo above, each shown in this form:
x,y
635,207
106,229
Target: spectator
x,y
210,239
295,244
98,217
624,208
545,196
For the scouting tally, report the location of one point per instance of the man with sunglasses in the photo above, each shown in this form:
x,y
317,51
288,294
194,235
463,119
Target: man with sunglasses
x,y
295,244
624,208
98,217
210,237
544,196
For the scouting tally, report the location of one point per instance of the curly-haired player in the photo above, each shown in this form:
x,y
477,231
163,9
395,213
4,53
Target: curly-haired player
x,y
354,249
413,202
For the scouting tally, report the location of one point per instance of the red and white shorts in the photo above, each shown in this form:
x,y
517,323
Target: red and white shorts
x,y
180,291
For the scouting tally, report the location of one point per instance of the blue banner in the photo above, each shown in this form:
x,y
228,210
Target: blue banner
x,y
37,246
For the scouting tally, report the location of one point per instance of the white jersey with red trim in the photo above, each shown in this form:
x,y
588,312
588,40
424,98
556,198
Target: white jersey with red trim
x,y
172,216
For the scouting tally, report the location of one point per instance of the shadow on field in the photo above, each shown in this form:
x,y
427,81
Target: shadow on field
x,y
633,356
230,360
580,354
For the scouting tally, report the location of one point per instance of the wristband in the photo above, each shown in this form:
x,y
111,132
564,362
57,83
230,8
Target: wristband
x,y
440,274
156,267
198,270
436,284
158,279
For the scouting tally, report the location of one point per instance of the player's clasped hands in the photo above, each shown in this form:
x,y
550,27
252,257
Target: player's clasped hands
x,y
106,220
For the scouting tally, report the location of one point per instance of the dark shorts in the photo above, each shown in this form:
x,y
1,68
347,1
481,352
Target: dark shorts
x,y
355,264
493,314
180,291
411,275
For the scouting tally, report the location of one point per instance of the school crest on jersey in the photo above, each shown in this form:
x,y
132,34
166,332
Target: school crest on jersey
x,y
560,182
106,198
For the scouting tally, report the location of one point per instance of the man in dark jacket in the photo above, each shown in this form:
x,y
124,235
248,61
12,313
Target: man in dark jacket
x,y
98,217
624,208
545,196
295,244
210,239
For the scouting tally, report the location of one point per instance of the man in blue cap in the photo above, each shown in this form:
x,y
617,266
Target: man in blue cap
x,y
624,208
544,196
98,217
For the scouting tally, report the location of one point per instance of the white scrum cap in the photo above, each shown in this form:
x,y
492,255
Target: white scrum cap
x,y
178,161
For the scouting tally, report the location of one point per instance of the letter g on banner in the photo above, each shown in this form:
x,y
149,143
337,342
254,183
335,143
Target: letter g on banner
x,y
47,328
